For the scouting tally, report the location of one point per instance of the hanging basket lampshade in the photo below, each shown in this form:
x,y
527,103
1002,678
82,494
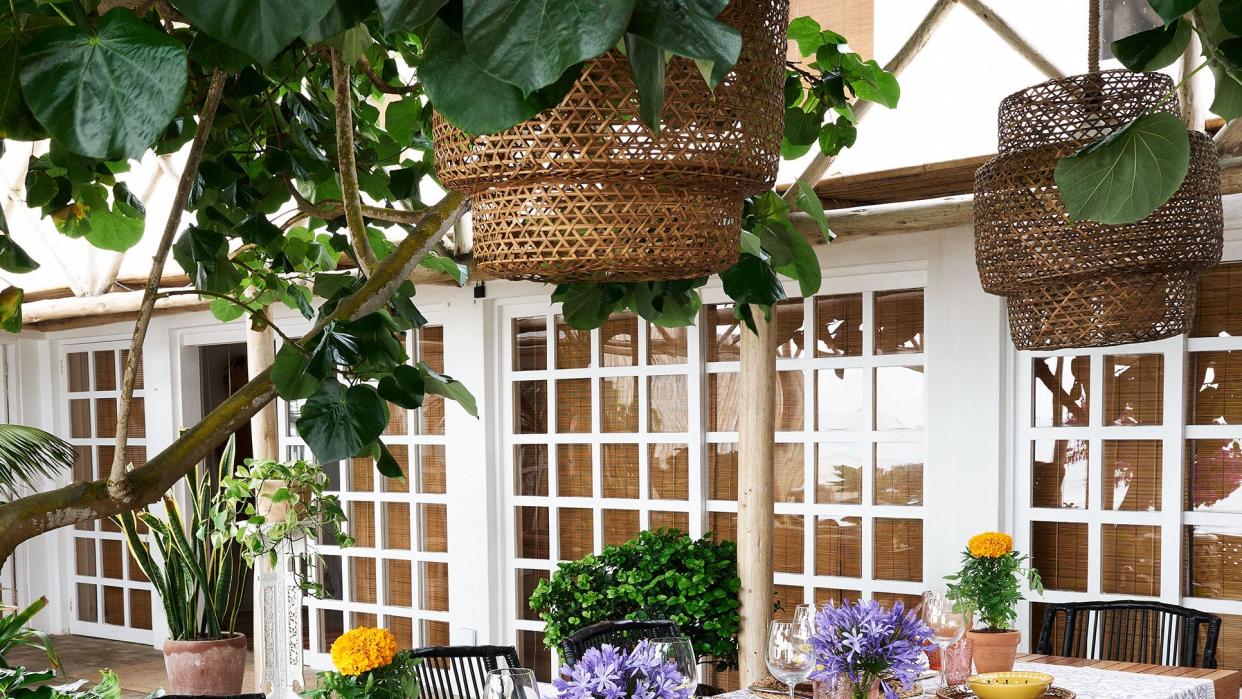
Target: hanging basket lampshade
x,y
585,192
1085,284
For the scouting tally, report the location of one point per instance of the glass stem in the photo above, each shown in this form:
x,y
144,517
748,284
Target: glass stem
x,y
944,664
791,690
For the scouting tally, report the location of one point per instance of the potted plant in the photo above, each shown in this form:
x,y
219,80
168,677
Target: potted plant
x,y
988,584
368,666
199,578
867,651
608,672
265,504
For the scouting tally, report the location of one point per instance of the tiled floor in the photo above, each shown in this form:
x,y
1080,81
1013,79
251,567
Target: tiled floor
x,y
141,668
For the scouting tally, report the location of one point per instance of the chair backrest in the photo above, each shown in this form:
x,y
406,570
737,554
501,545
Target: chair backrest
x,y
1133,631
459,672
622,634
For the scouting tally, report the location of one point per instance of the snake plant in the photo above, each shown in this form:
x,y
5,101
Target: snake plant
x,y
199,583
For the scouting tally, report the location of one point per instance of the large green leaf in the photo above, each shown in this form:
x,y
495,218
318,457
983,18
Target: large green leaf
x,y
1170,10
449,387
11,309
28,454
530,43
447,266
259,28
338,423
112,231
869,81
1155,48
293,374
1227,98
404,387
108,94
341,16
203,254
587,306
751,281
689,28
12,257
407,14
471,99
16,121
647,67
1127,175
1230,13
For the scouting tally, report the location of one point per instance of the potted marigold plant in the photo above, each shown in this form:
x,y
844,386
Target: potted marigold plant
x,y
989,585
368,666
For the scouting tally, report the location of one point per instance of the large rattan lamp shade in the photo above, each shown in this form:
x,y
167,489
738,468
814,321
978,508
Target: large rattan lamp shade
x,y
585,192
1084,284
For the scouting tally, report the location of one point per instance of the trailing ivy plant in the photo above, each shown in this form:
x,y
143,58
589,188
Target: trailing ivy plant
x,y
661,574
1129,173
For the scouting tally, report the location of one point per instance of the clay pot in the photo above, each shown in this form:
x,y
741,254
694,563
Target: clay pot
x,y
276,511
995,650
206,668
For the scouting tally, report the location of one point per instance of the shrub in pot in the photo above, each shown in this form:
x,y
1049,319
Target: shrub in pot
x,y
988,585
660,574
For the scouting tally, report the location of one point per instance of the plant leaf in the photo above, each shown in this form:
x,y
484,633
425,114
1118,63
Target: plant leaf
x,y
869,81
259,28
12,257
1230,12
530,43
1227,99
16,121
689,28
407,14
11,308
647,67
404,387
806,33
1127,175
447,386
1155,48
112,231
110,94
338,423
446,265
28,454
1170,10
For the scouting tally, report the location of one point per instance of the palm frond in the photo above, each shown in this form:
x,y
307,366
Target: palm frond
x,y
28,454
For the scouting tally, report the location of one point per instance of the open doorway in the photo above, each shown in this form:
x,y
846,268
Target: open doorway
x,y
223,371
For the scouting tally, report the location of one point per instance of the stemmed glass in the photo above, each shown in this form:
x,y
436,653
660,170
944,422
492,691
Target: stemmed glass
x,y
511,683
947,625
679,651
790,659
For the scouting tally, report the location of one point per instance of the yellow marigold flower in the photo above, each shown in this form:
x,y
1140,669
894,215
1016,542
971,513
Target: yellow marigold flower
x,y
990,545
363,649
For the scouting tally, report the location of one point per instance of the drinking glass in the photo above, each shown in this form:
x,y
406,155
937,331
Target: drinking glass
x,y
511,683
947,626
679,651
790,659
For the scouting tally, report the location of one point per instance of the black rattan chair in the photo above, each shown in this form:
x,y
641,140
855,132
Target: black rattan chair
x,y
1132,631
459,672
622,634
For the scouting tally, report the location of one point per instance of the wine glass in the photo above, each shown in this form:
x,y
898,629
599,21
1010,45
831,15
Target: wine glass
x,y
511,683
947,625
789,653
679,651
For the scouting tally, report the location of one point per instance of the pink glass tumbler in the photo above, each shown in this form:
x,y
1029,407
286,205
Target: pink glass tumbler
x,y
957,661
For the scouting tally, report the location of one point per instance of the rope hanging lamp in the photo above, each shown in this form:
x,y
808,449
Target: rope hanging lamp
x,y
1086,284
585,192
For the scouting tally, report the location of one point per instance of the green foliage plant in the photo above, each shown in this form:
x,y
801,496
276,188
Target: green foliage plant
x,y
661,574
20,683
988,581
309,515
200,582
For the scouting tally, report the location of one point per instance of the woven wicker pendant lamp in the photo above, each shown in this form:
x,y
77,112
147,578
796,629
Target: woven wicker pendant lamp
x,y
1085,284
585,192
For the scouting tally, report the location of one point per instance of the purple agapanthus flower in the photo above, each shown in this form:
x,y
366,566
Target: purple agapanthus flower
x,y
863,642
609,673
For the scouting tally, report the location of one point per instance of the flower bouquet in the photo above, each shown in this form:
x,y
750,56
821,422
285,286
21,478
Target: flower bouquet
x,y
864,645
368,666
610,673
988,585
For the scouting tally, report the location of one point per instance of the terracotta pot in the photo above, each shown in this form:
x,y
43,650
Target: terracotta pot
x,y
276,511
995,650
206,668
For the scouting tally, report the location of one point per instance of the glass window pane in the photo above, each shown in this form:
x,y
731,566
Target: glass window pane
x,y
1059,553
84,555
432,477
1214,396
1219,313
838,325
620,525
899,321
668,469
838,473
666,403
78,366
530,472
105,417
1059,473
434,527
398,583
668,520
618,403
1214,468
397,420
722,402
362,588
400,454
898,473
402,629
1133,389
362,474
396,525
724,524
899,398
1131,559
531,526
620,471
530,343
788,473
140,609
666,345
841,400
577,532
790,328
1213,562
80,418
722,471
105,371
573,346
362,523
534,655
573,405
724,334
1059,391
787,541
530,407
618,340
838,546
790,401
88,603
113,605
573,470
1132,474
897,549
527,581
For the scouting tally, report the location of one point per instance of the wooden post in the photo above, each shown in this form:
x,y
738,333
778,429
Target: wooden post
x,y
260,354
756,428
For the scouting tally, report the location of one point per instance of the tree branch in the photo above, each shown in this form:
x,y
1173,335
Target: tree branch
x,y
116,477
380,84
25,518
349,170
